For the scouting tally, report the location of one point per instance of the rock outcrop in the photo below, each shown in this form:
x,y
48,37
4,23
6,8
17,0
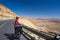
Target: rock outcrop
x,y
5,13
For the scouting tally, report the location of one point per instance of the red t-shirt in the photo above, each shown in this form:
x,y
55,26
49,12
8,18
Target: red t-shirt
x,y
16,23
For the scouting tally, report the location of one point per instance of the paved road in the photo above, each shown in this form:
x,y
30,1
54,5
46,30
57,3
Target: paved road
x,y
7,30
2,21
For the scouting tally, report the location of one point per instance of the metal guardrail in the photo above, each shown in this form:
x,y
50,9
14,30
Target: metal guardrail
x,y
27,36
40,33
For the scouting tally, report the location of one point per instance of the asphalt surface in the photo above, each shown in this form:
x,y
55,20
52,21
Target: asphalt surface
x,y
2,21
7,31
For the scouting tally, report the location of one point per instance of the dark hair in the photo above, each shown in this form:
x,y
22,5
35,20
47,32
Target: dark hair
x,y
17,17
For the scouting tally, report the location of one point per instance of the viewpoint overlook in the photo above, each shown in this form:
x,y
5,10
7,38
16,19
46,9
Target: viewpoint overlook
x,y
46,25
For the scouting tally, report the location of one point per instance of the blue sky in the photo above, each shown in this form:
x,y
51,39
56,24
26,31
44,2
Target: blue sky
x,y
34,8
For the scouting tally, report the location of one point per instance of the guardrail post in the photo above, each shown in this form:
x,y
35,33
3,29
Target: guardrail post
x,y
33,38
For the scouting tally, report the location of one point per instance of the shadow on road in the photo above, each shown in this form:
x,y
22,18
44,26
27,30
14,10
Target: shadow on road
x,y
10,36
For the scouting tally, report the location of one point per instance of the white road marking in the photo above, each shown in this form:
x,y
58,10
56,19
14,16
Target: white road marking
x,y
3,24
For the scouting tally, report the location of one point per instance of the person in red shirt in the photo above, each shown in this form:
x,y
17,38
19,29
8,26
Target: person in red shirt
x,y
18,27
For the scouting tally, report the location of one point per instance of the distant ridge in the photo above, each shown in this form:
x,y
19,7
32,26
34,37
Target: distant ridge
x,y
49,24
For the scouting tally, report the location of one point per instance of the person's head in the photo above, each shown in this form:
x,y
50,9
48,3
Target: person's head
x,y
17,17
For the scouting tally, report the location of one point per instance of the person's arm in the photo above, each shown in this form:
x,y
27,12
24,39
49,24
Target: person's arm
x,y
19,24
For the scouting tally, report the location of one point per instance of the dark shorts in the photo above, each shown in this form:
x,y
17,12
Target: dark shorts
x,y
18,29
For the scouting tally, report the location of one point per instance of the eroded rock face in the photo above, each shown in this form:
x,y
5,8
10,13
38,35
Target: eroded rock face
x,y
5,13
